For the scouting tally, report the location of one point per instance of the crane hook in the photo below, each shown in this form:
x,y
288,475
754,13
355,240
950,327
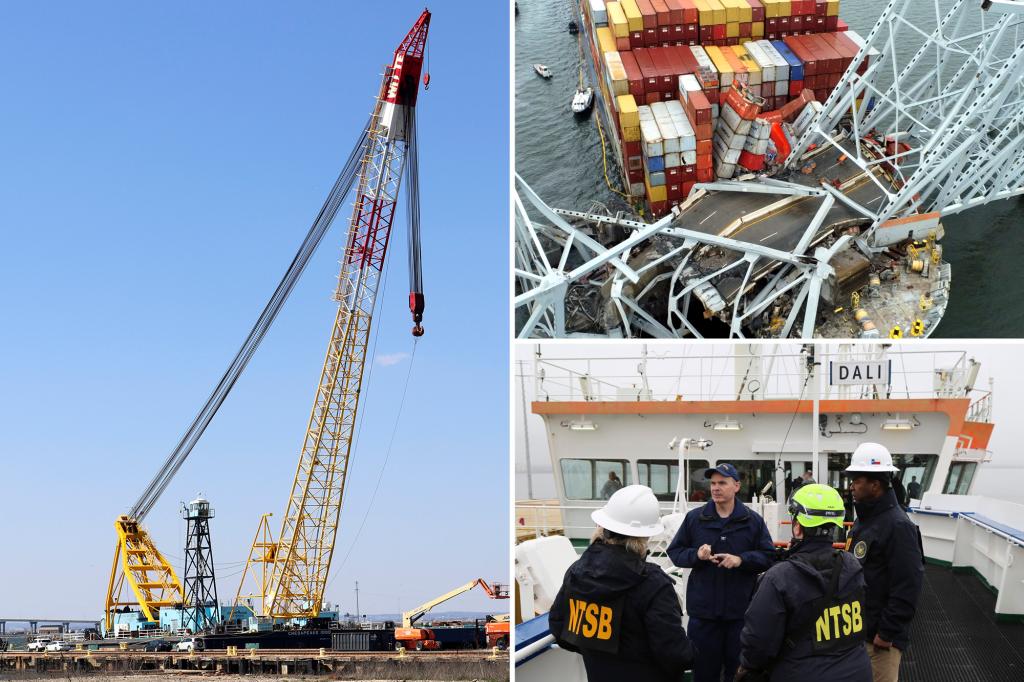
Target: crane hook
x,y
426,81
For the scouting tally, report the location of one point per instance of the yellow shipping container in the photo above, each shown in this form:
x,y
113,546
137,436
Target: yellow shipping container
x,y
832,8
659,193
785,8
732,11
771,8
725,72
757,30
628,114
717,12
704,14
634,19
617,20
732,30
746,12
753,68
631,133
605,40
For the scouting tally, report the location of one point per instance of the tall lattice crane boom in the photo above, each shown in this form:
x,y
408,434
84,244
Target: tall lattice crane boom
x,y
310,525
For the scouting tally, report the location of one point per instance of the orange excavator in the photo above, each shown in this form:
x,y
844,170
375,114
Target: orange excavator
x,y
411,637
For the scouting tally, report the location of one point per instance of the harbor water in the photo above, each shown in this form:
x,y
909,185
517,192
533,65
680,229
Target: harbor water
x,y
560,156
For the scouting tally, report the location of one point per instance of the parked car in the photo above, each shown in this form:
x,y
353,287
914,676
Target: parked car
x,y
59,646
190,644
38,644
158,645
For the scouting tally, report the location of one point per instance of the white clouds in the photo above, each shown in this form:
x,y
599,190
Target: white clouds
x,y
389,359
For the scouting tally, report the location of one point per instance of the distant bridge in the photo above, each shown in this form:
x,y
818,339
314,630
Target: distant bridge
x,y
33,623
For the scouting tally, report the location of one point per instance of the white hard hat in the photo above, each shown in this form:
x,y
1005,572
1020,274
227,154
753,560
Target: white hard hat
x,y
632,511
871,457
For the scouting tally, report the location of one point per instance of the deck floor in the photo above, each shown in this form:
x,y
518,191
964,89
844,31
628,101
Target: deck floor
x,y
955,636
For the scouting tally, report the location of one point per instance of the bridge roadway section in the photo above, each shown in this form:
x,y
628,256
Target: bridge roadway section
x,y
33,623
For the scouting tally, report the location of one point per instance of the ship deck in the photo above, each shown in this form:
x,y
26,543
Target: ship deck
x,y
956,636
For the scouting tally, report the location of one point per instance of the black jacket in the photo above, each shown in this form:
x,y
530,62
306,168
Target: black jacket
x,y
622,614
789,628
888,545
714,592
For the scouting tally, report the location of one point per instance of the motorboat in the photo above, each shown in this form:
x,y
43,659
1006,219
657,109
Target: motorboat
x,y
542,71
582,100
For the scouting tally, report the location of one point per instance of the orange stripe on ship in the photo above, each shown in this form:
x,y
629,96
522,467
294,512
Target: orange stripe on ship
x,y
954,408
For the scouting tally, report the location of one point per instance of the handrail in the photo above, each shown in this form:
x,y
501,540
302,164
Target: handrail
x,y
534,648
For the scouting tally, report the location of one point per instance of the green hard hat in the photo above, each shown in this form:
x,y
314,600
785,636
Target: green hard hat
x,y
816,504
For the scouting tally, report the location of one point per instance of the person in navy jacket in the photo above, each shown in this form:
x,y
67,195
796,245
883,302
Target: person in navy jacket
x,y
727,545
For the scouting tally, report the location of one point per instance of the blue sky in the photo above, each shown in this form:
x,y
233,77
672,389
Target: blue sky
x,y
159,165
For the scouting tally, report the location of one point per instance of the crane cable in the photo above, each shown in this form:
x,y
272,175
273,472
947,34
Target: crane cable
x,y
342,186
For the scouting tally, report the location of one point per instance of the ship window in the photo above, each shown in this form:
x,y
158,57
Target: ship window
x,y
593,479
700,489
659,476
754,475
958,482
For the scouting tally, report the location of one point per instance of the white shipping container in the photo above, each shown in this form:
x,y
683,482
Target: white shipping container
x,y
669,134
764,61
724,152
616,73
657,179
755,145
689,158
806,116
760,129
725,170
673,160
733,121
782,88
637,189
688,83
599,12
781,65
687,136
650,135
706,70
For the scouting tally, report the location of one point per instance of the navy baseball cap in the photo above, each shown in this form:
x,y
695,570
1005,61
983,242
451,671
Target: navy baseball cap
x,y
725,469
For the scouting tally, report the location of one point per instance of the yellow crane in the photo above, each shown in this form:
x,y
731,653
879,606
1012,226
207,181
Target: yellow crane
x,y
295,566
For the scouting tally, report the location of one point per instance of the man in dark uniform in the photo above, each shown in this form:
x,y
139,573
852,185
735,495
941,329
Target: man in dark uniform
x,y
727,545
888,545
615,608
806,619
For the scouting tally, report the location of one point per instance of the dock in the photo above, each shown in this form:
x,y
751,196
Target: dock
x,y
477,664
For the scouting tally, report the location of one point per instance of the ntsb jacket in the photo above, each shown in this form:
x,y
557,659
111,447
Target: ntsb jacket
x,y
888,545
622,614
714,592
806,620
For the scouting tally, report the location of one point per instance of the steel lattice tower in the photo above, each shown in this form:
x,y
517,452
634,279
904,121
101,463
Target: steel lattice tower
x,y
201,606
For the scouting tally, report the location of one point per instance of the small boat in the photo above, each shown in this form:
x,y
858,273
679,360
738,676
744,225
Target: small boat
x,y
582,100
573,28
542,71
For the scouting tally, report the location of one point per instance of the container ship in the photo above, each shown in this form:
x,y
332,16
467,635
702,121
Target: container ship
x,y
683,84
790,177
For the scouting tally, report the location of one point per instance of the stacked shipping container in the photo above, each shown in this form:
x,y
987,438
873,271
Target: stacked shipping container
x,y
667,65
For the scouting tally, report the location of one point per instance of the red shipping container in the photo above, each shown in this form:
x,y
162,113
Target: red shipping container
x,y
650,37
819,24
685,55
701,108
795,87
796,23
664,34
752,162
796,45
687,188
633,74
785,24
675,11
667,81
688,9
834,79
674,190
832,24
636,39
661,10
652,80
829,61
632,148
658,208
622,44
756,10
705,174
821,7
652,97
704,147
667,96
705,35
704,131
745,29
718,31
692,33
674,174
821,95
771,25
636,175
713,95
840,25
647,13
689,172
